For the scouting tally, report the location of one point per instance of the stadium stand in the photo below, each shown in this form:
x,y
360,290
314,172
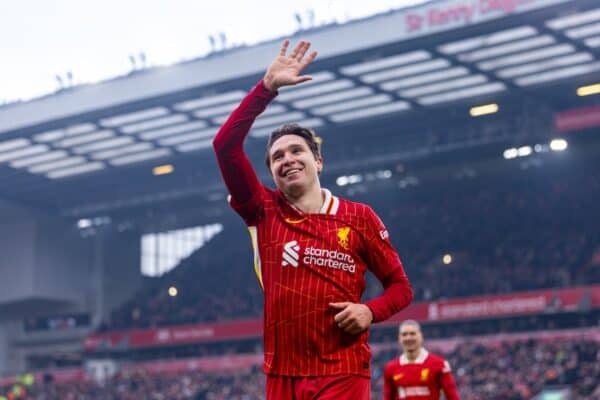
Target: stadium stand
x,y
503,237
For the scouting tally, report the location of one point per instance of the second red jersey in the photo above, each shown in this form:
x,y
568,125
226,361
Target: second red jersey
x,y
422,379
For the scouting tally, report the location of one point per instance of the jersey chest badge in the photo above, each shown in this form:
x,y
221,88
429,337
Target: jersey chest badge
x,y
342,235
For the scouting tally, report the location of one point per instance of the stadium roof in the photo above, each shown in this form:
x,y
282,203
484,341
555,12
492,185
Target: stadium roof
x,y
94,143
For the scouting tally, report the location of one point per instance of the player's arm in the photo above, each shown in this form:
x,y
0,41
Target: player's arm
x,y
447,383
385,263
238,174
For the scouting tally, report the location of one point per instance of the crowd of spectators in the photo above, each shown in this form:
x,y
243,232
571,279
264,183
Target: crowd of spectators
x,y
505,371
243,385
520,233
519,370
524,232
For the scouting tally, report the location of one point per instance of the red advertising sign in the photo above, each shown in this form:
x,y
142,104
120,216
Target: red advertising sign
x,y
173,335
448,310
495,306
579,118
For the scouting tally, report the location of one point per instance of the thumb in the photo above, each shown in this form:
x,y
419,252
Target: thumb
x,y
340,305
302,78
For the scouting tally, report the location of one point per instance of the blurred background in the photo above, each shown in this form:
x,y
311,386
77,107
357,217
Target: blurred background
x,y
471,127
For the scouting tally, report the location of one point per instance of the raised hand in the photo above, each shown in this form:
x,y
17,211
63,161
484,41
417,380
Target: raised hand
x,y
285,70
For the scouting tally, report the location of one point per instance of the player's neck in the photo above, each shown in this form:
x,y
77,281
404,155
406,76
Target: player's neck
x,y
412,355
308,202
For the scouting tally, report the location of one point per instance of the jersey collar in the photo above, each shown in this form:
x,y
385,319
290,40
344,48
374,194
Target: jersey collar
x,y
331,203
420,358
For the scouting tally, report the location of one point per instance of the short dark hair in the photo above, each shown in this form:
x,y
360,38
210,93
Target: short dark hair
x,y
410,322
309,136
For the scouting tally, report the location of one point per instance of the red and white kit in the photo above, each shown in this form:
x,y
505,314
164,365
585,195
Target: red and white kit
x,y
422,379
306,261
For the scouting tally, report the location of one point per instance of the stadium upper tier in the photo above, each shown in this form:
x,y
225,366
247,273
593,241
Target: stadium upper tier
x,y
394,67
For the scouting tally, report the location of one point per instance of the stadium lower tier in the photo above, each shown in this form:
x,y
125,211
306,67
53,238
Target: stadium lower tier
x,y
492,367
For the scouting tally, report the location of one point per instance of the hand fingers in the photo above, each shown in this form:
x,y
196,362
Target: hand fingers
x,y
351,327
346,325
354,329
351,319
342,316
339,305
309,59
302,51
295,54
284,47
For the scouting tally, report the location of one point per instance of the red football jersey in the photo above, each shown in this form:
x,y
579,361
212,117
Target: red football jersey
x,y
422,379
306,261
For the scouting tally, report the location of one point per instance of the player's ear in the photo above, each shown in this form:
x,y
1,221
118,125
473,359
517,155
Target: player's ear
x,y
319,166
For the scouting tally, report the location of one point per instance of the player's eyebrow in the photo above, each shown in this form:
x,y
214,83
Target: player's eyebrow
x,y
275,153
291,147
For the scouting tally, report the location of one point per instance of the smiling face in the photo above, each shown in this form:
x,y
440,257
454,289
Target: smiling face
x,y
293,165
410,338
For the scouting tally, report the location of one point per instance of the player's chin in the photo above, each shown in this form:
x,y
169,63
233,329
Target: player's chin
x,y
292,185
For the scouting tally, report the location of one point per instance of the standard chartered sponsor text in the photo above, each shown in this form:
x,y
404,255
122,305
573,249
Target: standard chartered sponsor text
x,y
180,334
329,258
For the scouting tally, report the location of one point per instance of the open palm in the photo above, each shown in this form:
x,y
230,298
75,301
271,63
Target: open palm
x,y
285,69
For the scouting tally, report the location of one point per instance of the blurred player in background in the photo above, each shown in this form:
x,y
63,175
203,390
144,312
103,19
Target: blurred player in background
x,y
417,374
312,250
